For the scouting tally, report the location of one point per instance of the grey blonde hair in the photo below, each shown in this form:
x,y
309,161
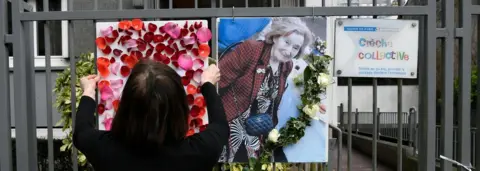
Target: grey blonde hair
x,y
283,25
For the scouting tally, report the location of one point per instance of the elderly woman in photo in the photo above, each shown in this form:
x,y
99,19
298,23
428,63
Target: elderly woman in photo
x,y
254,75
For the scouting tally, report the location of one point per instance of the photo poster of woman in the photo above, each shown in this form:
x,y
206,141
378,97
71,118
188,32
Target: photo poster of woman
x,y
258,58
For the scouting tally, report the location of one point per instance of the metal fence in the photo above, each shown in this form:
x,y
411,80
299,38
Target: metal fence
x,y
449,32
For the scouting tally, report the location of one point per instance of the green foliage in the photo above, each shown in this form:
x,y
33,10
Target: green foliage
x,y
84,66
473,92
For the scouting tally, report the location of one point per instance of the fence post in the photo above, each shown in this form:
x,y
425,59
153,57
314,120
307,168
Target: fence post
x,y
356,120
24,92
378,123
5,125
342,121
411,123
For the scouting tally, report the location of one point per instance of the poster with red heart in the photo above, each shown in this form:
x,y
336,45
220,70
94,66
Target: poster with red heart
x,y
181,44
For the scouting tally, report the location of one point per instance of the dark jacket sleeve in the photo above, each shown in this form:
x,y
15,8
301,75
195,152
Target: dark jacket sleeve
x,y
211,141
85,136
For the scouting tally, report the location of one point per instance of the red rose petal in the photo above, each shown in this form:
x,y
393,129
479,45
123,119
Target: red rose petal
x,y
169,50
175,46
189,47
198,122
100,108
125,71
103,83
112,60
137,24
197,26
195,52
199,101
110,40
191,89
158,38
204,50
199,90
130,61
124,24
102,65
175,64
160,47
185,25
194,111
107,50
185,82
122,58
190,132
117,52
159,57
141,45
202,128
189,74
152,27
149,53
184,32
190,99
128,32
101,43
175,56
115,105
201,112
171,41
192,29
148,37
115,34
161,29
137,54
166,61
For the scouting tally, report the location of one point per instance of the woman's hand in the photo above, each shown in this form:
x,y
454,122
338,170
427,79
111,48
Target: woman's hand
x,y
211,74
89,84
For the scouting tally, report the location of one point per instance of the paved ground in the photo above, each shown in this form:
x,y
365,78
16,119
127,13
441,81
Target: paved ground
x,y
360,161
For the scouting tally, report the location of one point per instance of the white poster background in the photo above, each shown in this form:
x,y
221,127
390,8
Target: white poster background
x,y
397,36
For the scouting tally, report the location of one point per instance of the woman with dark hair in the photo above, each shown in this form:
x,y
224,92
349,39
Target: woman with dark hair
x,y
148,131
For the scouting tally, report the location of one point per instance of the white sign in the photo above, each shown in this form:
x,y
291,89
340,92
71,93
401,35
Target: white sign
x,y
379,48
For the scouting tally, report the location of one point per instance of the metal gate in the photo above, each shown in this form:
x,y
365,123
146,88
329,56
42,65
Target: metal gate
x,y
426,12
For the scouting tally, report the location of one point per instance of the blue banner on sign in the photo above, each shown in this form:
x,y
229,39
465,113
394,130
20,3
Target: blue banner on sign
x,y
355,28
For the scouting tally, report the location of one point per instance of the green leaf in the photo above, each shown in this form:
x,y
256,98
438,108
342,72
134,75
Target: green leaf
x,y
63,147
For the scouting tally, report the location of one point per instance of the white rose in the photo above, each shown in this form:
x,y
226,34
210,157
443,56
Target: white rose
x,y
323,79
273,135
311,110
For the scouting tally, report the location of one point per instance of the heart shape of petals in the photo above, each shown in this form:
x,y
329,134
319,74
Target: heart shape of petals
x,y
204,35
185,62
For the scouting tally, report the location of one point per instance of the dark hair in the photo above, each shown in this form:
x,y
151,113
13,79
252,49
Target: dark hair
x,y
153,109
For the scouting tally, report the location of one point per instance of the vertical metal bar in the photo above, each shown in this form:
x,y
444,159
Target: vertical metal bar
x,y
375,126
356,120
477,131
428,90
447,93
196,3
48,80
95,8
170,4
272,3
399,126
5,130
145,4
120,4
24,92
221,3
465,85
246,3
73,79
349,156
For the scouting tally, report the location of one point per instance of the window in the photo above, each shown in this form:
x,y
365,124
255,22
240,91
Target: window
x,y
58,35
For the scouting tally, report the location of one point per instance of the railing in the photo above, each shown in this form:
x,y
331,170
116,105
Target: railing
x,y
362,124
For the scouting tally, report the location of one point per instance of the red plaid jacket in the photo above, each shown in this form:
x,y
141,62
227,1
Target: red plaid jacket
x,y
241,70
